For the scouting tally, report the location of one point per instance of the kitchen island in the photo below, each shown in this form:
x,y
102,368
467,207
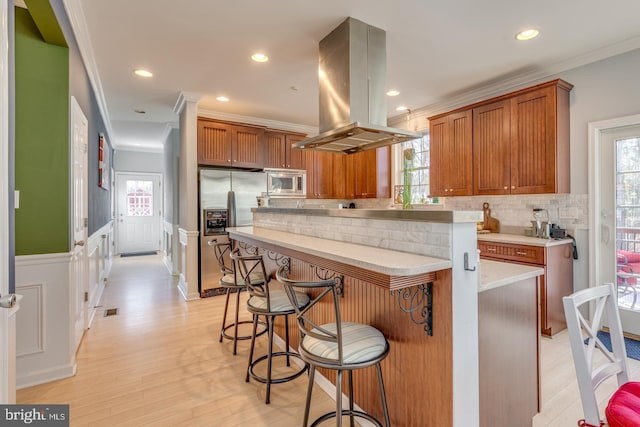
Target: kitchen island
x,y
406,276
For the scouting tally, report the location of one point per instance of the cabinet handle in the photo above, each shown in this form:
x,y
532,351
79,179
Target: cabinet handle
x,y
521,253
282,165
451,190
229,160
506,188
513,187
446,190
288,166
234,160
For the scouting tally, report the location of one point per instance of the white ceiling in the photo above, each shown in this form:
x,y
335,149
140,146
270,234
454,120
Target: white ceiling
x,y
436,51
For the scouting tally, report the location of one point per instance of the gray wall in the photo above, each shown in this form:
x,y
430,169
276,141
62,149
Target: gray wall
x,y
80,87
171,158
137,161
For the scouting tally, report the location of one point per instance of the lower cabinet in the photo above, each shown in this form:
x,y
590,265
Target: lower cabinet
x,y
557,281
509,354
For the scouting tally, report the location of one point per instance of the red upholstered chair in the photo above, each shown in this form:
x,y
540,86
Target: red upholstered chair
x,y
594,367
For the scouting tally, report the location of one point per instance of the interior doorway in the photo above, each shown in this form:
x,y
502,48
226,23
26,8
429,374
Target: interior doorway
x,y
138,212
615,213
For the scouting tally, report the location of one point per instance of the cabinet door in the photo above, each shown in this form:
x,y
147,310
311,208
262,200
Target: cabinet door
x,y
350,176
319,174
533,142
296,159
339,187
214,143
451,149
439,161
383,172
247,147
491,149
275,143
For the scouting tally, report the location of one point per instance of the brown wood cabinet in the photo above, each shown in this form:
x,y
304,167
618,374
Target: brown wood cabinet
x,y
320,174
556,282
450,173
519,144
368,174
230,145
279,153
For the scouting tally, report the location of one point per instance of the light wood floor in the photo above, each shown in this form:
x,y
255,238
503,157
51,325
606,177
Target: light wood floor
x,y
158,362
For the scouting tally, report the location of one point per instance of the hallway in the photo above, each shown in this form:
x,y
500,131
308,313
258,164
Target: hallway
x,y
158,362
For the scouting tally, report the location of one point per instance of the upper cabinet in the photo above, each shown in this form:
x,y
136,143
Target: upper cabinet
x,y
320,183
517,143
368,174
451,147
279,153
230,145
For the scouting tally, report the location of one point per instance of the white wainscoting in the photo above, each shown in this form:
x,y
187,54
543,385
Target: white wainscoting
x,y
188,284
171,248
100,254
44,346
45,349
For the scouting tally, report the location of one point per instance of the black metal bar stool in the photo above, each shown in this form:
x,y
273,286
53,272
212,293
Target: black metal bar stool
x,y
341,346
231,282
270,303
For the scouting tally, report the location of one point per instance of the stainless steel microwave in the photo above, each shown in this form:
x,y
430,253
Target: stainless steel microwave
x,y
286,183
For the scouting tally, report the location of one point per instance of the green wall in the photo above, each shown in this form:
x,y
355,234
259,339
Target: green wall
x,y
41,141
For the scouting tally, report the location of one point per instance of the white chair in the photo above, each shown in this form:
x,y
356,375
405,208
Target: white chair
x,y
594,367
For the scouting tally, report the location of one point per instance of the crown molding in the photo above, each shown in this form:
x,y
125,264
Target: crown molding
x,y
520,81
273,124
183,98
81,33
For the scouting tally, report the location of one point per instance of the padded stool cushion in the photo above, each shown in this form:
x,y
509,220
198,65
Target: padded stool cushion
x,y
360,343
623,409
229,280
279,301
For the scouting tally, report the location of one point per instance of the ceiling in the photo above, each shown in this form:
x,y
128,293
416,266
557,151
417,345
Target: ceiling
x,y
436,52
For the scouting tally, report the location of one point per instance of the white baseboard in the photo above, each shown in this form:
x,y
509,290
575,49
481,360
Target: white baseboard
x,y
31,379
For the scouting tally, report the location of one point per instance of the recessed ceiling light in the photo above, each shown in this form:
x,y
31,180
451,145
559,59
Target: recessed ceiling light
x,y
393,92
259,57
222,98
140,111
402,108
142,72
527,34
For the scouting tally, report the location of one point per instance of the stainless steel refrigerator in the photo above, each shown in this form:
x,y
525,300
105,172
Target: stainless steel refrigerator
x,y
228,194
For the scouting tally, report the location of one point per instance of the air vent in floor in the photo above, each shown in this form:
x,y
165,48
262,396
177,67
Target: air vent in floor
x,y
110,312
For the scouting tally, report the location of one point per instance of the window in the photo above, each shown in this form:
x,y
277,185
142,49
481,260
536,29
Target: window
x,y
418,170
139,198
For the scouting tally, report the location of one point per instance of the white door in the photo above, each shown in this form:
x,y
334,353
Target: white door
x,y
79,261
139,212
7,333
620,220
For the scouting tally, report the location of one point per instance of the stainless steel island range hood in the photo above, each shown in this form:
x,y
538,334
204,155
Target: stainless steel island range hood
x,y
352,76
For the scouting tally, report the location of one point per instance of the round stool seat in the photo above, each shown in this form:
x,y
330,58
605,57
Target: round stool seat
x,y
360,344
623,409
229,281
280,303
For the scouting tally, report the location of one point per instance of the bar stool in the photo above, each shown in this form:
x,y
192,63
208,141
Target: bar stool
x,y
232,283
269,303
341,346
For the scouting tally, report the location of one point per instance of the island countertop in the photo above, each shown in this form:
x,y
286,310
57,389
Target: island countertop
x,y
443,216
384,261
494,274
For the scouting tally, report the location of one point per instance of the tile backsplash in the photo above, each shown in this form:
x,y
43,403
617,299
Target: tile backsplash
x,y
567,210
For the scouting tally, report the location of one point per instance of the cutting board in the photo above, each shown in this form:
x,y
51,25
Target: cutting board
x,y
490,224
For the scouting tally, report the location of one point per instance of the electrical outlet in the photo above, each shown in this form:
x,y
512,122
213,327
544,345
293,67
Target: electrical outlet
x,y
16,199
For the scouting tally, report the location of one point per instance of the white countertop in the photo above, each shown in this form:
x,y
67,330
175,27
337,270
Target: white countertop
x,y
494,274
385,261
521,240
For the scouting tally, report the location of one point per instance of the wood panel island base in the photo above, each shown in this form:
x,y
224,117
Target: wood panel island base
x,y
432,373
